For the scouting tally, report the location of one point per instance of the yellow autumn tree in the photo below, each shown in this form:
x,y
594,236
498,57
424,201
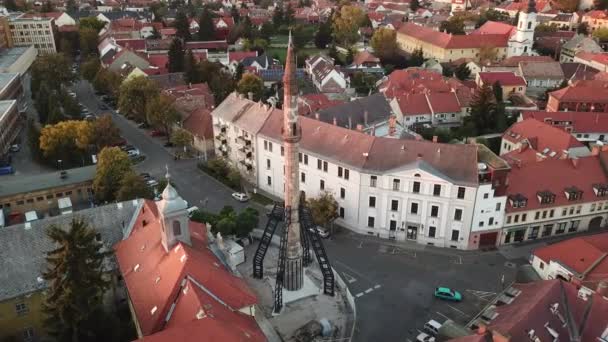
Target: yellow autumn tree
x,y
68,141
346,24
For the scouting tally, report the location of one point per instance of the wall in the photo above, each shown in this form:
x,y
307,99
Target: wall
x,y
34,32
9,127
45,200
13,324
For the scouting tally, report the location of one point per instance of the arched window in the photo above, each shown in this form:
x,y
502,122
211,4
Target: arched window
x,y
529,25
177,229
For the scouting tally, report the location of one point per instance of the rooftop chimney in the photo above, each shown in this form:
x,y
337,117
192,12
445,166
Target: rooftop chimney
x,y
250,95
318,117
360,127
350,122
365,117
434,138
335,121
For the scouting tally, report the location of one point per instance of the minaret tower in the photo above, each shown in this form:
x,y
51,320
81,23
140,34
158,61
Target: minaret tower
x,y
292,133
521,42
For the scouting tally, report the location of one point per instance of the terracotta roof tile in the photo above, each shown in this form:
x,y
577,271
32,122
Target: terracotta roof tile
x,y
581,122
504,77
448,41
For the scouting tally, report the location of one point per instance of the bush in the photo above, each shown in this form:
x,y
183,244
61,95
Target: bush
x,y
222,171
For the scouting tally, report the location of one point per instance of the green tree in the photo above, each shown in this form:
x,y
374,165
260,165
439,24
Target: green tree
x,y
300,36
75,274
88,41
47,7
346,23
54,69
246,221
181,138
601,34
251,83
176,56
234,13
206,30
91,22
135,94
324,209
278,16
182,26
107,81
454,25
601,4
483,110
68,141
583,28
267,30
71,6
462,72
545,28
417,58
323,36
161,113
89,68
289,16
191,71
364,83
159,11
133,186
384,43
221,86
112,166
11,5
104,132
414,5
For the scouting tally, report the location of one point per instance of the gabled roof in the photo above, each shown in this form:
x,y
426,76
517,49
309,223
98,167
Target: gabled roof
x,y
582,43
365,57
505,78
376,106
577,71
541,136
591,91
514,61
494,27
199,123
449,41
160,277
545,70
311,103
581,122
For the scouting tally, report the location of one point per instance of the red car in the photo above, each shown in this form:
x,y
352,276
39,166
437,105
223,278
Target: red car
x,y
120,142
157,133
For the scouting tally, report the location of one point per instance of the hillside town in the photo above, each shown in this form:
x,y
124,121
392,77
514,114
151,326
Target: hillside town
x,y
310,170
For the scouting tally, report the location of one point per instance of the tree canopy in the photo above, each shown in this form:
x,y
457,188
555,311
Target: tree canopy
x,y
113,164
346,23
135,94
206,28
324,209
182,25
251,83
384,43
161,113
176,56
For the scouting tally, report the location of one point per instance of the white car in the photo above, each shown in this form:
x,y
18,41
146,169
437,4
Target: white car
x,y
15,148
133,152
241,197
422,337
191,210
322,231
152,183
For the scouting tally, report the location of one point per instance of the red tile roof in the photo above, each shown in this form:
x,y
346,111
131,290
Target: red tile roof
x,y
449,41
365,57
312,103
505,78
596,14
514,61
595,91
601,58
159,277
160,60
238,56
54,15
584,255
523,5
134,44
200,123
495,27
556,175
581,122
541,136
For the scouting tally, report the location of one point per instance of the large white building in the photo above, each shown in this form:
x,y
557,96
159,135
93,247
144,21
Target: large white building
x,y
400,189
34,31
521,42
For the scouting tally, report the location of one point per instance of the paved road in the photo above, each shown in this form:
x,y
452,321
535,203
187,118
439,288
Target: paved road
x,y
193,185
393,286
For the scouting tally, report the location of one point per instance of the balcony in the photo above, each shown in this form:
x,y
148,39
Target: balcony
x,y
221,138
244,140
245,152
247,164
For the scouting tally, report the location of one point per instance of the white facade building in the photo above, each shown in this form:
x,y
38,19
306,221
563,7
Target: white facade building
x,y
523,39
37,32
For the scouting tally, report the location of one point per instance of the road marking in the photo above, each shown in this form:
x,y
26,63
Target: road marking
x,y
350,279
485,295
369,290
442,315
377,286
458,261
460,312
360,245
359,294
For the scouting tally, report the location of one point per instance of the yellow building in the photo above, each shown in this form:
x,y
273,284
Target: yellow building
x,y
21,317
447,47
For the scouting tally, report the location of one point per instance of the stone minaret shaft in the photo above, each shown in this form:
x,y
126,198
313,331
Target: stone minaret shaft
x,y
291,137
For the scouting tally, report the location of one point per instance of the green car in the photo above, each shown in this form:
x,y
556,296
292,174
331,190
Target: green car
x,y
447,294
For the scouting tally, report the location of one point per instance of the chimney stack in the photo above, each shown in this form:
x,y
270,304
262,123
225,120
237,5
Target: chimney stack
x,y
250,95
335,121
317,116
365,117
350,122
434,138
360,127
602,288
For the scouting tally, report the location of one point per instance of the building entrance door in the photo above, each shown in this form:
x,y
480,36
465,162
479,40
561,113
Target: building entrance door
x,y
412,232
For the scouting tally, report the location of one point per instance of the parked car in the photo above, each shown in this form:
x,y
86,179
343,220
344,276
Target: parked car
x,y
191,210
241,197
127,147
146,176
157,133
15,148
422,337
151,183
90,117
6,170
322,231
432,327
141,124
133,153
448,294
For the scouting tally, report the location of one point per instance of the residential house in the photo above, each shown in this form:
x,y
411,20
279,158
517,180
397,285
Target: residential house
x,y
433,109
546,75
578,43
550,197
360,114
514,7
577,71
509,82
580,260
60,18
257,63
512,63
531,140
366,62
595,19
175,284
565,21
309,104
326,77
598,61
586,127
580,96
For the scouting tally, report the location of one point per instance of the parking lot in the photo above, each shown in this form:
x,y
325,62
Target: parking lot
x,y
393,286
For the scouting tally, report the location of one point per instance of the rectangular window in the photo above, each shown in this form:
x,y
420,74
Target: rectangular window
x,y
571,212
340,171
303,177
455,235
533,233
267,164
30,200
396,184
372,181
547,229
21,202
561,227
306,159
490,221
544,214
372,201
498,206
371,221
461,192
325,166
414,208
319,164
282,151
265,145
416,187
564,211
322,184
573,226
28,334
394,205
592,209
434,211
524,217
537,215
269,146
436,190
432,231
21,309
551,212
578,209
342,193
346,174
458,215
39,198
299,157
481,223
269,181
341,212
516,218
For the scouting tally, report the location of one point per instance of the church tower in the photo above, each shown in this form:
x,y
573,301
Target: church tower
x,y
521,42
173,215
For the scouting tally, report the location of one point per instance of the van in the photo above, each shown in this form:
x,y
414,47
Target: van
x,y
432,327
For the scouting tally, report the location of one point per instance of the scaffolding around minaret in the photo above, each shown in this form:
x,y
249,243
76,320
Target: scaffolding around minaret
x,y
297,228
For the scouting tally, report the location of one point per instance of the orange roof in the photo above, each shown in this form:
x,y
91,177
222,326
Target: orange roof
x,y
541,136
449,41
495,27
506,78
580,254
595,91
161,275
596,14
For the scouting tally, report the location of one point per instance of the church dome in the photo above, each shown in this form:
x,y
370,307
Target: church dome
x,y
171,201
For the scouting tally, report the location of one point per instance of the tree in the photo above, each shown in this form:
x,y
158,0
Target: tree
x,y
601,4
583,28
71,6
11,5
487,54
346,24
250,83
384,43
88,41
104,132
545,28
54,69
182,26
454,25
483,110
133,186
89,68
75,274
601,33
206,28
267,30
191,72
181,138
323,37
68,141
91,22
259,45
324,209
159,10
112,166
568,6
289,16
47,7
277,16
161,113
227,222
417,58
107,81
176,56
414,5
364,83
246,221
462,72
135,94
300,36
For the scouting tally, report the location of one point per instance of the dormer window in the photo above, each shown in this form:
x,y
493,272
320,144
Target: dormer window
x,y
545,197
518,201
573,193
600,190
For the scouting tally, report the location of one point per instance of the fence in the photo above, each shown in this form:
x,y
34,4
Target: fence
x,y
349,298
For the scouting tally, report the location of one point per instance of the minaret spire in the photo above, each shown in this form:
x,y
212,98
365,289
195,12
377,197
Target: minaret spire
x,y
292,134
